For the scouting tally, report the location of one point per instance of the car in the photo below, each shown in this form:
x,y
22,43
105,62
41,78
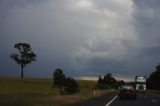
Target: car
x,y
127,92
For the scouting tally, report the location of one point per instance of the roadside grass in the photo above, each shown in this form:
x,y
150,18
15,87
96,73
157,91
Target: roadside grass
x,y
154,91
39,92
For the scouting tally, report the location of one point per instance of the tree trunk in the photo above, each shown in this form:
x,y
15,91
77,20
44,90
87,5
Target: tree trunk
x,y
21,71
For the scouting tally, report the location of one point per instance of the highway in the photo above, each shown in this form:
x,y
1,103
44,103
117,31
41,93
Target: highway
x,y
111,99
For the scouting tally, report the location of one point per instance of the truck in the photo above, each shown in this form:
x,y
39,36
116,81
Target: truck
x,y
140,83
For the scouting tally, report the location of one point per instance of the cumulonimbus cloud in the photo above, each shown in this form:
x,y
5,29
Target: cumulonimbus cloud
x,y
84,36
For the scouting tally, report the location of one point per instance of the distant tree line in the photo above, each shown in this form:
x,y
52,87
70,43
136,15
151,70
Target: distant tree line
x,y
66,85
153,82
108,82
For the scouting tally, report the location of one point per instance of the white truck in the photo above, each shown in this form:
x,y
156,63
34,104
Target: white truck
x,y
140,82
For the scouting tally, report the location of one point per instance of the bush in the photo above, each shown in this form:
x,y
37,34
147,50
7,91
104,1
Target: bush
x,y
71,86
66,85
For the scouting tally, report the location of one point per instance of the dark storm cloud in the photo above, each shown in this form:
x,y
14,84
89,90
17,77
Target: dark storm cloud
x,y
142,54
83,37
7,5
147,21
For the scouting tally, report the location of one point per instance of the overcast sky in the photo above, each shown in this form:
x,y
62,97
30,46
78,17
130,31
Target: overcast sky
x,y
82,37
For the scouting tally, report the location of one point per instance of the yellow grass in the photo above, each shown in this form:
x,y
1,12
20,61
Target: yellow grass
x,y
38,92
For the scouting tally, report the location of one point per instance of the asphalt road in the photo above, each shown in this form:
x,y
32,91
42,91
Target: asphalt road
x,y
111,99
143,99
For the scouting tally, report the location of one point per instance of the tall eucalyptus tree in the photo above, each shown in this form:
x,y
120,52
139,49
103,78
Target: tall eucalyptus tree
x,y
25,55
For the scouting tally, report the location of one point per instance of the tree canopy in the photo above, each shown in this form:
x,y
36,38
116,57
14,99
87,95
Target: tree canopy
x,y
65,84
25,55
108,82
153,82
59,78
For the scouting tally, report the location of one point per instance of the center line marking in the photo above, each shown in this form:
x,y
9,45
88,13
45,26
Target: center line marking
x,y
111,101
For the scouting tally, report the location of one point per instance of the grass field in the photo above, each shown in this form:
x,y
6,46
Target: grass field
x,y
38,92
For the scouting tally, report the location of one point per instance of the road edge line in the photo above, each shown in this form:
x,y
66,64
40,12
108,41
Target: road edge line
x,y
111,101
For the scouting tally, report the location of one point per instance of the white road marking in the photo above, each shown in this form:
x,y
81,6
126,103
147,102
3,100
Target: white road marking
x,y
111,101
